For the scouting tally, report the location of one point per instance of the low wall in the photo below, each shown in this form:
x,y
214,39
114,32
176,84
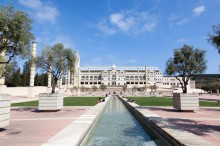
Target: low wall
x,y
25,91
160,127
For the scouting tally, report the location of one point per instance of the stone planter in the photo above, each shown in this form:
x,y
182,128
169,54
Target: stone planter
x,y
5,105
50,102
186,101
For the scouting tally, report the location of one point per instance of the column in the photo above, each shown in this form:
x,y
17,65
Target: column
x,y
49,78
146,75
138,77
89,77
32,71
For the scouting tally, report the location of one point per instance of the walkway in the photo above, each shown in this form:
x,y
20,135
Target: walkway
x,y
204,122
29,127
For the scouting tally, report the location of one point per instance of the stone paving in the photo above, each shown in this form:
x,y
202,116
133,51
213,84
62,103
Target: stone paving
x,y
204,122
30,127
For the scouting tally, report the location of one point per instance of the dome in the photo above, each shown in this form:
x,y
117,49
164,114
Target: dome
x,y
113,67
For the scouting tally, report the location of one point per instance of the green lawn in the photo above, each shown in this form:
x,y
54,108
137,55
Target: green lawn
x,y
143,101
162,101
29,103
68,101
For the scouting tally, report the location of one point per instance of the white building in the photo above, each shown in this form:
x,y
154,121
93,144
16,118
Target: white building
x,y
118,76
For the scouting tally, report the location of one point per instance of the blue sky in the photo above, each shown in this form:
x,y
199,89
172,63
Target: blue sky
x,y
124,32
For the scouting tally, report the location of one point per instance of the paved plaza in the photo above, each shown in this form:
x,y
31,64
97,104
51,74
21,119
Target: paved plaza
x,y
204,122
30,127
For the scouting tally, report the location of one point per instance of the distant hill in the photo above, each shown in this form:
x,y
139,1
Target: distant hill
x,y
207,81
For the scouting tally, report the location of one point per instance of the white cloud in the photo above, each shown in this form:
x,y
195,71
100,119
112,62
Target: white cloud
x,y
173,17
181,22
47,39
43,12
128,22
199,10
149,26
121,21
182,40
105,29
34,4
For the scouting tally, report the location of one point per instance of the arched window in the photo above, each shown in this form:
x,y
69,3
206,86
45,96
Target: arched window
x,y
113,77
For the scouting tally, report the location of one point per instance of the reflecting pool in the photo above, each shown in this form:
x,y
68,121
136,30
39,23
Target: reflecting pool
x,y
117,127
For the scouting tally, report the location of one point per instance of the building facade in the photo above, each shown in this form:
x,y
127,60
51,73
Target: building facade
x,y
118,76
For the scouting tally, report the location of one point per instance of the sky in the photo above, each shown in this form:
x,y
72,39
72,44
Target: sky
x,y
124,32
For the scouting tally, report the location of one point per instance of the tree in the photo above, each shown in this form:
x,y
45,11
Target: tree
x,y
16,78
36,79
102,87
26,73
185,63
134,89
82,88
15,33
153,88
56,60
10,69
215,38
124,88
94,88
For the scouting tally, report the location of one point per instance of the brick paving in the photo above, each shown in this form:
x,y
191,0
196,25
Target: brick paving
x,y
30,127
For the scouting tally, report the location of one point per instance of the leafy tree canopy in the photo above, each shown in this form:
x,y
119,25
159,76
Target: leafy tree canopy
x,y
186,62
215,38
56,60
102,87
15,33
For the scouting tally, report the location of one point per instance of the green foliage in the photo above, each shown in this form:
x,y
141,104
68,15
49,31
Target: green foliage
x,y
163,101
56,60
134,89
215,38
124,88
16,78
94,88
185,63
29,103
102,87
40,79
82,88
15,33
207,82
68,101
80,101
26,73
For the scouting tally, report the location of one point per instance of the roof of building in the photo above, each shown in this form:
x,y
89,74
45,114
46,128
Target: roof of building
x,y
118,68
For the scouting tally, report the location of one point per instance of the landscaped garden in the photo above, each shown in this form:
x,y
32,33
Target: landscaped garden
x,y
68,101
163,101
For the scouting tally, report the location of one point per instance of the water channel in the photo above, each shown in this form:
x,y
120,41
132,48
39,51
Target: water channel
x,y
117,127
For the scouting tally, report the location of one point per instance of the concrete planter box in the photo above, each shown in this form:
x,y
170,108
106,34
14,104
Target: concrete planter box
x,y
50,102
186,101
5,106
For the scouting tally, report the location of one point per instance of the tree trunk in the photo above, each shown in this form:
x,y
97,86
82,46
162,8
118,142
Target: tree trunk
x,y
54,85
185,88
